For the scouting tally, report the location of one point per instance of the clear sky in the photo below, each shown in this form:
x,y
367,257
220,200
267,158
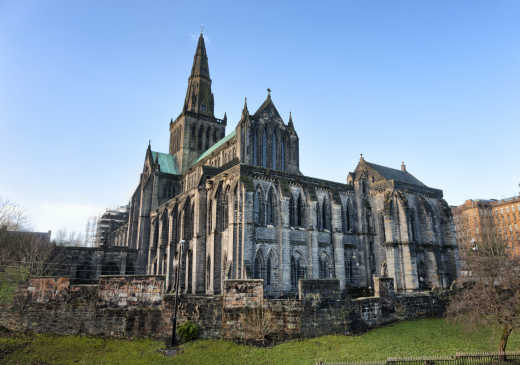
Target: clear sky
x,y
85,84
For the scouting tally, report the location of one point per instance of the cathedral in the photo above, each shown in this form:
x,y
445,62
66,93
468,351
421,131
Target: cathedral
x,y
236,206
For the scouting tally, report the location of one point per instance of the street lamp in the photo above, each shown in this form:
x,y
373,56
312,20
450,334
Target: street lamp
x,y
173,339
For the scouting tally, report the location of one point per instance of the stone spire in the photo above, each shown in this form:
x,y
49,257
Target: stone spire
x,y
403,167
245,111
290,124
199,98
200,60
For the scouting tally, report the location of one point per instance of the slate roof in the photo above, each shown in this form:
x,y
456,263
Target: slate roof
x,y
396,175
166,163
215,146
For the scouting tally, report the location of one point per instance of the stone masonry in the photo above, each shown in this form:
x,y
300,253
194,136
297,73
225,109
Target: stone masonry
x,y
136,306
222,207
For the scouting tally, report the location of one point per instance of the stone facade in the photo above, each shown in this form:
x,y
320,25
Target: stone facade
x,y
237,207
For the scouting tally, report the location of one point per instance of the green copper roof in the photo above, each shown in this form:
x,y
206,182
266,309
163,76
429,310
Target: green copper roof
x,y
215,146
166,162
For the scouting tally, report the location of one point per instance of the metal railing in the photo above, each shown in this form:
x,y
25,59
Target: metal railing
x,y
479,358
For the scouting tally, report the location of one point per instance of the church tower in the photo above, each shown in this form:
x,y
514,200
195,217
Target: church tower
x,y
196,129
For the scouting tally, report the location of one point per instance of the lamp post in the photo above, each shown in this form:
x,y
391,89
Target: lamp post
x,y
173,340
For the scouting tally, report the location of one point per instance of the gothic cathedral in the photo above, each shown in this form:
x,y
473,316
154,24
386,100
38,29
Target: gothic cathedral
x,y
236,206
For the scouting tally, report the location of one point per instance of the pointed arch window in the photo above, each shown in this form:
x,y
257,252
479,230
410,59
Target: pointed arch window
x,y
282,154
221,218
271,208
242,141
253,146
300,209
208,272
291,212
210,213
264,148
382,227
274,146
319,227
193,135
187,220
348,269
324,266
269,271
325,214
293,273
208,139
346,215
258,207
225,210
201,138
369,222
297,270
192,217
259,271
412,226
175,226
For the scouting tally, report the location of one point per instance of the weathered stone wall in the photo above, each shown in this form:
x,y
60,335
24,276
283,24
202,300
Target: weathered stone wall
x,y
323,288
122,291
45,289
135,307
204,310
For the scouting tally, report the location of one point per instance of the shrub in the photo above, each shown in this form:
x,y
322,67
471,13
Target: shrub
x,y
188,331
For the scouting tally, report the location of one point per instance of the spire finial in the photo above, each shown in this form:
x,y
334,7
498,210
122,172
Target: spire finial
x,y
269,93
201,29
361,157
245,112
403,166
290,124
150,143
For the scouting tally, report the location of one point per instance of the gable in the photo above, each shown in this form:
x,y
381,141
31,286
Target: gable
x,y
268,111
387,173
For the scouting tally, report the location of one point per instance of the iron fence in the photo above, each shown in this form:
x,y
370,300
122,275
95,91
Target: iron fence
x,y
480,358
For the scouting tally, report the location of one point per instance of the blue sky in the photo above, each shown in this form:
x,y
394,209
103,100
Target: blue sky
x,y
84,85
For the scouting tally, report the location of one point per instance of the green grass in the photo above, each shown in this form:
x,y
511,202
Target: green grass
x,y
9,280
413,338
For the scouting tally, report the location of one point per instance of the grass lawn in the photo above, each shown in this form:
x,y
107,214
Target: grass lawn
x,y
413,338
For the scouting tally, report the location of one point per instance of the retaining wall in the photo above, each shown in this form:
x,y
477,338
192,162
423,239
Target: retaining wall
x,y
135,306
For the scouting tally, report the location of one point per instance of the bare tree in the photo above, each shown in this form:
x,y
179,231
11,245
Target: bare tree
x,y
68,238
26,253
490,294
12,216
257,323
